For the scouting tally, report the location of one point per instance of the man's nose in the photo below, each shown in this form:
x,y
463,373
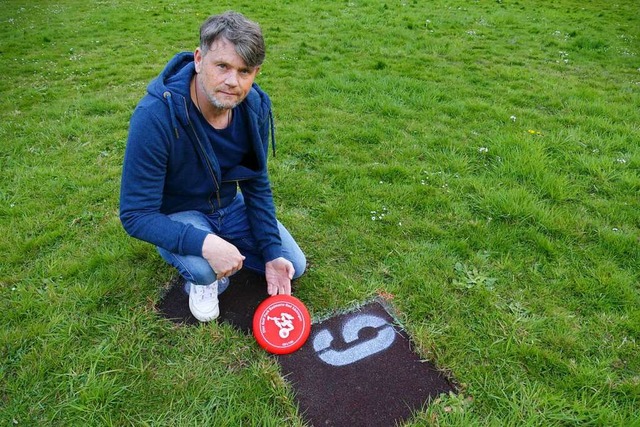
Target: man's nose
x,y
231,78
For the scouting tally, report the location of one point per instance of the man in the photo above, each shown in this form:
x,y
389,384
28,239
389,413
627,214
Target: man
x,y
200,133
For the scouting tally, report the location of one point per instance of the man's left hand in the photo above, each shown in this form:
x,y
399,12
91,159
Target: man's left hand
x,y
279,273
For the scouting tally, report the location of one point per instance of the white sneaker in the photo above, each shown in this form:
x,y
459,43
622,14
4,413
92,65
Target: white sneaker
x,y
203,301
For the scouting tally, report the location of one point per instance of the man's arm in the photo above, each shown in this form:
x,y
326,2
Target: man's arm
x,y
141,191
261,210
261,214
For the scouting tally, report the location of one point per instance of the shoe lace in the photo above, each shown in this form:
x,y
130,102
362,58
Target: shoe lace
x,y
205,292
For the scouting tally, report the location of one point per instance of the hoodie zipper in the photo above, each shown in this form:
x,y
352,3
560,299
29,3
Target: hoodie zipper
x,y
207,162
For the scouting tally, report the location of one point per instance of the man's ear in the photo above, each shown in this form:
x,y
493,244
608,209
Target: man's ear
x,y
197,59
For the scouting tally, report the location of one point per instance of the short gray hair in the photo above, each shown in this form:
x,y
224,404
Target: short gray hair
x,y
244,34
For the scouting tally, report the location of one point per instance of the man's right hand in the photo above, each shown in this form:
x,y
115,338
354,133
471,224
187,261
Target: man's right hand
x,y
223,257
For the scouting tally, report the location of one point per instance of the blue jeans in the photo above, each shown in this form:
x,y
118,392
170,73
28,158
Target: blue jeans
x,y
231,224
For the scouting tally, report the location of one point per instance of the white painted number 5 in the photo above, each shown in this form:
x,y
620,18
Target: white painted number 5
x,y
358,349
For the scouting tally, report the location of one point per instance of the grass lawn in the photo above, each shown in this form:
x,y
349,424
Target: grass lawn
x,y
477,161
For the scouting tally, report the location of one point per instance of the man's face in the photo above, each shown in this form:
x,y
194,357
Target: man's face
x,y
223,75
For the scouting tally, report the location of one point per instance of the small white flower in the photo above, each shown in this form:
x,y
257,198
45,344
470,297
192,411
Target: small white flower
x,y
615,229
622,161
483,150
513,118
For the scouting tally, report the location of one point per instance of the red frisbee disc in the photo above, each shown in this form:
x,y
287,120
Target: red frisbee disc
x,y
281,324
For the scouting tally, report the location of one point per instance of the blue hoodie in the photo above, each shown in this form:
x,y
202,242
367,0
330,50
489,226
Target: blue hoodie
x,y
170,166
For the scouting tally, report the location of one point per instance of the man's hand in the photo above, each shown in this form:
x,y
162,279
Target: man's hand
x,y
223,257
279,273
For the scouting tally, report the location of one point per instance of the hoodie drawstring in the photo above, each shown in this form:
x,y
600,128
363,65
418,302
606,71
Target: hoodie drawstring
x,y
167,96
273,132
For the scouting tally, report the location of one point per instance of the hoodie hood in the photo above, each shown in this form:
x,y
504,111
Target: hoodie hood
x,y
175,77
172,85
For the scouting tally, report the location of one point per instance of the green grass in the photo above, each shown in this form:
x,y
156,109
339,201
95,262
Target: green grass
x,y
477,160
